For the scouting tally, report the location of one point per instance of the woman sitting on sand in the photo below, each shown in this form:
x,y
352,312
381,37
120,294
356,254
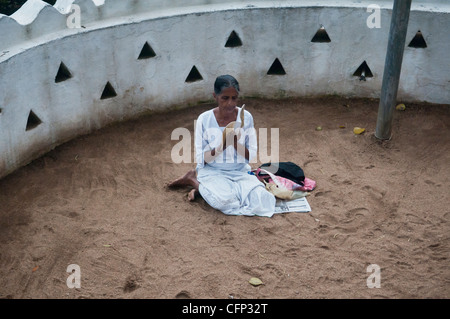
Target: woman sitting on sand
x,y
221,176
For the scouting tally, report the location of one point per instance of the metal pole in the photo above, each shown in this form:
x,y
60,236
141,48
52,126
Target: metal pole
x,y
392,68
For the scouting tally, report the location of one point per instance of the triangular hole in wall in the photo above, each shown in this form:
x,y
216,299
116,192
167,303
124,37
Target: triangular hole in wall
x,y
276,68
233,40
63,73
321,36
33,121
108,92
418,41
363,71
194,75
146,52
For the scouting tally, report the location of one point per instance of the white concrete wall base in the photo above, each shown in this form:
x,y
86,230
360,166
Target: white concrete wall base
x,y
36,40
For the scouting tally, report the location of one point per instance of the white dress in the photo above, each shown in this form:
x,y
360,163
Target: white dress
x,y
225,183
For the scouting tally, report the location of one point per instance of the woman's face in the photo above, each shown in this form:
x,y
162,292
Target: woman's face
x,y
227,100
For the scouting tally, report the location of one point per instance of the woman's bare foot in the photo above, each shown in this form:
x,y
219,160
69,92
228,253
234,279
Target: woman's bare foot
x,y
188,179
193,194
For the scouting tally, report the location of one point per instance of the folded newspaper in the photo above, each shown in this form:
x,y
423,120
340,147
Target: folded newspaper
x,y
299,205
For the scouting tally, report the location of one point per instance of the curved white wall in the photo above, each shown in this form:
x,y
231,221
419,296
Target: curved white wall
x,y
35,40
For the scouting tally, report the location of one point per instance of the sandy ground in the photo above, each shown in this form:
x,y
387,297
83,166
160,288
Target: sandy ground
x,y
99,202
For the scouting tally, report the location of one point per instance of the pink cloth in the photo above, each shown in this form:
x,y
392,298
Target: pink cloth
x,y
309,184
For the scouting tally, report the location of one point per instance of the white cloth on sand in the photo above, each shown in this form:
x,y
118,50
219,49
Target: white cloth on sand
x,y
225,183
235,192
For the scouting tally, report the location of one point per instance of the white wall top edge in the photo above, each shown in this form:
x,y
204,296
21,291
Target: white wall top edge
x,y
32,9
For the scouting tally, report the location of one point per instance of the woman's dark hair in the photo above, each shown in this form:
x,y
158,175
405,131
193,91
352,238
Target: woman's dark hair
x,y
225,81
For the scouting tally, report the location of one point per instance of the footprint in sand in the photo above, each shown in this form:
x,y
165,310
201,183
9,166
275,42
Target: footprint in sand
x,y
96,194
412,218
335,178
354,220
439,251
307,162
291,252
104,181
321,193
183,295
339,181
69,214
447,216
274,269
431,183
374,192
131,283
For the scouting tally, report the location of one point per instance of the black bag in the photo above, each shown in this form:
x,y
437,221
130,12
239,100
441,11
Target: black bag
x,y
287,170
